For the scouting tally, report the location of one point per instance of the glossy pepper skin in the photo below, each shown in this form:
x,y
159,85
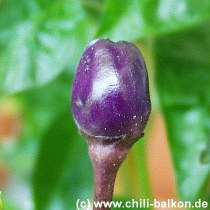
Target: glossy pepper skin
x,y
110,92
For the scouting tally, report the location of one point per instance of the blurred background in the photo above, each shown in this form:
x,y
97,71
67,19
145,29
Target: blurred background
x,y
44,163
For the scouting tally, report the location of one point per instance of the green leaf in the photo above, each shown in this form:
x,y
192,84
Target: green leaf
x,y
37,109
63,172
53,157
205,156
43,104
56,134
1,203
131,20
183,75
78,178
39,39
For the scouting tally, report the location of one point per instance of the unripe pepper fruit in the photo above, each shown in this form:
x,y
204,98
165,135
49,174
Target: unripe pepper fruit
x,y
111,106
110,92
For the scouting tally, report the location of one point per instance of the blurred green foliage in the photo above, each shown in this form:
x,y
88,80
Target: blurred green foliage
x,y
41,42
1,203
186,103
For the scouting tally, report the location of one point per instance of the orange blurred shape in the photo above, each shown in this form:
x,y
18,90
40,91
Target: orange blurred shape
x,y
10,119
4,176
9,126
161,169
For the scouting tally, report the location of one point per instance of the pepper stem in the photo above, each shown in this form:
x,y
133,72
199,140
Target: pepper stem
x,y
106,158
